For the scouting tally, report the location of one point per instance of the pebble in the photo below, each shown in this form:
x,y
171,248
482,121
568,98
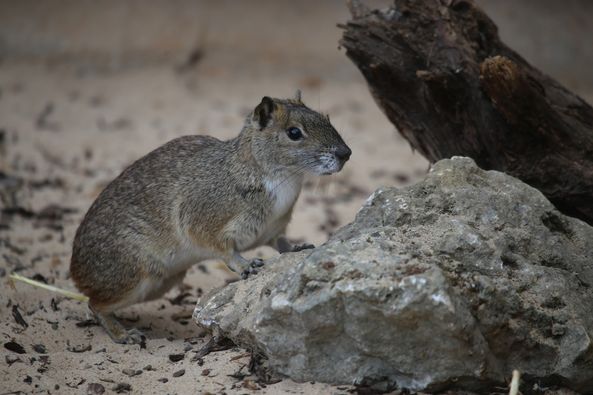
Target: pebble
x,y
176,357
95,389
122,387
131,372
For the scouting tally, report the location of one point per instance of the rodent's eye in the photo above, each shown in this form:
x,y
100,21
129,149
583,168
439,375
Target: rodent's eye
x,y
294,133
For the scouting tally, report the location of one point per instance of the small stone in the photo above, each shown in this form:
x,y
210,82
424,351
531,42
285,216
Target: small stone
x,y
40,348
205,372
15,347
94,389
179,373
131,372
11,358
558,330
79,348
176,357
122,388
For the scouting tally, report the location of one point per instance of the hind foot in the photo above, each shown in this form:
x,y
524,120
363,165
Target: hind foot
x,y
116,331
133,336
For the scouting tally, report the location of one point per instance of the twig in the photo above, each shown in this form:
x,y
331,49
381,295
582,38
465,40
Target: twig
x,y
68,294
515,383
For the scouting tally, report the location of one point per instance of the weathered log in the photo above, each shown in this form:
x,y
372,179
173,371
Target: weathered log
x,y
443,77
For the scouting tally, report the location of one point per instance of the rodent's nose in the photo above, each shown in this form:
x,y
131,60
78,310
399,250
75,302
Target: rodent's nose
x,y
343,153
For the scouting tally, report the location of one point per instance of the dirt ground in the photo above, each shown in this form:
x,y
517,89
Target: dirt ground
x,y
68,131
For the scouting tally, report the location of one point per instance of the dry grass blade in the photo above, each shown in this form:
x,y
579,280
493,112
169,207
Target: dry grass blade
x,y
68,294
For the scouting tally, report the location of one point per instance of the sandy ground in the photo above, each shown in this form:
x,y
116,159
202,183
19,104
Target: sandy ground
x,y
67,131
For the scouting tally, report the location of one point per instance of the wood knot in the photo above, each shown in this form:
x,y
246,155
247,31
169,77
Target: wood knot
x,y
500,77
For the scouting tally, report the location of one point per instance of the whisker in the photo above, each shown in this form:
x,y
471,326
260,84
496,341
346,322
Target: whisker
x,y
293,173
300,169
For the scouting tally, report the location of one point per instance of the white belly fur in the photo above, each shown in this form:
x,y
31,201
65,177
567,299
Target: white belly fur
x,y
284,193
186,255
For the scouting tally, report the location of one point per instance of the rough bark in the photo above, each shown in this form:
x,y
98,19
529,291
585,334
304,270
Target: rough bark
x,y
443,77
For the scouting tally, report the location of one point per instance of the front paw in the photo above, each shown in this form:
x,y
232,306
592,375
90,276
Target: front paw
x,y
256,262
253,268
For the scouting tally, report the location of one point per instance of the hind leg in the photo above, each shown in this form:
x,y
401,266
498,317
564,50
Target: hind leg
x,y
149,288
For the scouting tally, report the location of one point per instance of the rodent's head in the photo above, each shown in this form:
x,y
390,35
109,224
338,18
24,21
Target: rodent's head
x,y
287,133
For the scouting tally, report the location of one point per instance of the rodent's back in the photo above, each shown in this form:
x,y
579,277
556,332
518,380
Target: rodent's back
x,y
136,215
145,189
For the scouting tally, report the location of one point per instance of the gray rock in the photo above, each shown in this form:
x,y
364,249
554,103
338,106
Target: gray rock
x,y
449,283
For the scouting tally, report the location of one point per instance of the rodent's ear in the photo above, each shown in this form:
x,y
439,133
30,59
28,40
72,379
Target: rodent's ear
x,y
297,96
263,112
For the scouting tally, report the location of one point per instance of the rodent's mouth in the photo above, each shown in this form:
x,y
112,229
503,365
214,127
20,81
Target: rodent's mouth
x,y
328,165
